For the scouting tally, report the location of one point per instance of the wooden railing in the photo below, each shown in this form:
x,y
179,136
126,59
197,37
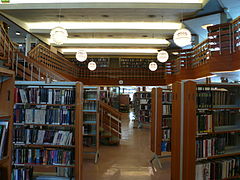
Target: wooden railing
x,y
110,120
25,67
53,61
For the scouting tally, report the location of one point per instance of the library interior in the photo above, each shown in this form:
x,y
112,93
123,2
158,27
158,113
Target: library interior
x,y
120,90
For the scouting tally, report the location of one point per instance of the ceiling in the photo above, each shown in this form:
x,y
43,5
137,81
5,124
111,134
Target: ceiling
x,y
28,14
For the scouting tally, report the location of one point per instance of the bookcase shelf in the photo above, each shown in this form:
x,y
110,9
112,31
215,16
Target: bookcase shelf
x,y
91,120
142,108
6,121
38,127
161,112
209,130
42,145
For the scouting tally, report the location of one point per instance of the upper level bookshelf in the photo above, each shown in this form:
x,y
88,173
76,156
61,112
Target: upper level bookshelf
x,y
47,128
211,129
134,62
7,78
102,62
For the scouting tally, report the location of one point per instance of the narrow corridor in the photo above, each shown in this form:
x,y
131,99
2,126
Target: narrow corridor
x,y
129,160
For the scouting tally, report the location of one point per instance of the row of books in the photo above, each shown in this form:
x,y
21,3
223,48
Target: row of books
x,y
166,134
167,97
90,95
89,129
3,138
89,141
22,174
90,105
167,109
36,136
135,62
43,156
204,123
218,169
89,117
207,121
145,119
210,146
145,107
62,116
166,122
44,96
166,146
65,172
215,97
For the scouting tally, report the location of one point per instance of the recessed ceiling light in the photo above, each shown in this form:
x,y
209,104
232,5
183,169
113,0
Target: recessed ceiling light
x,y
152,16
175,53
105,15
205,26
18,33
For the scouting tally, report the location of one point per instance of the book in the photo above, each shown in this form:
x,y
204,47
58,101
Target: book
x,y
3,138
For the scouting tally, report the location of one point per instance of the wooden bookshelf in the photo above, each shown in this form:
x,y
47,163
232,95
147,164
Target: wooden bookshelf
x,y
159,108
91,121
7,78
142,108
208,135
70,122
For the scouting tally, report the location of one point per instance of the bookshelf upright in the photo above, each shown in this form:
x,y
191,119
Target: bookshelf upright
x,y
91,121
47,129
7,78
210,131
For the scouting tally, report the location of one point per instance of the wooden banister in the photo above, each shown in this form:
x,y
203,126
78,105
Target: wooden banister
x,y
110,119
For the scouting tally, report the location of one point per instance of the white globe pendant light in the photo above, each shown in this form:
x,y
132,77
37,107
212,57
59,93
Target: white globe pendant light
x,y
81,55
92,66
162,56
59,35
153,66
182,37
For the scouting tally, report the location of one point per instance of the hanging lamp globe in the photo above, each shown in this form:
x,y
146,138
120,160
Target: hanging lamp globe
x,y
92,66
162,56
153,66
182,37
81,55
59,35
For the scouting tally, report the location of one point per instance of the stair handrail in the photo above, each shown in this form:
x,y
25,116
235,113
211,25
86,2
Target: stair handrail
x,y
54,61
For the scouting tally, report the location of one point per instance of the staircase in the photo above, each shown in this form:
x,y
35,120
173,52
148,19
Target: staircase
x,y
27,67
110,125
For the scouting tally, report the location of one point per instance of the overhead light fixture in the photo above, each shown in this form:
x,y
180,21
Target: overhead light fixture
x,y
106,25
182,37
162,56
59,35
205,26
92,66
153,66
18,33
114,41
81,55
106,50
108,1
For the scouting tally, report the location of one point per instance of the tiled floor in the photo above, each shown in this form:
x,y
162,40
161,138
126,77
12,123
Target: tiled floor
x,y
129,160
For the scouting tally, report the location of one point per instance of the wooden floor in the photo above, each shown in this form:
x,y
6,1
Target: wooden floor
x,y
129,160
